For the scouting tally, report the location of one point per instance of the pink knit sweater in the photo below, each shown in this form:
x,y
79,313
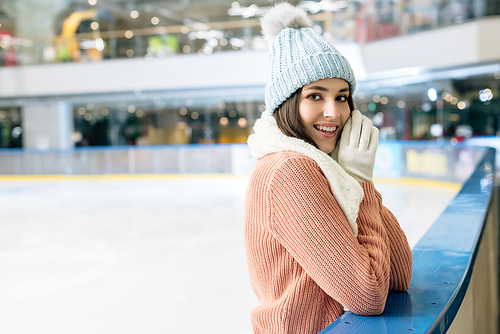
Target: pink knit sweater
x,y
304,262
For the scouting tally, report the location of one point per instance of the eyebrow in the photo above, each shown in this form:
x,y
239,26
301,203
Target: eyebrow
x,y
324,89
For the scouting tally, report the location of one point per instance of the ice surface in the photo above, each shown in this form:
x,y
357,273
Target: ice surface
x,y
158,255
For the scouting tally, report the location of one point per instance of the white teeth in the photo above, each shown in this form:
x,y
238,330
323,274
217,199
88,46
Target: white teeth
x,y
325,128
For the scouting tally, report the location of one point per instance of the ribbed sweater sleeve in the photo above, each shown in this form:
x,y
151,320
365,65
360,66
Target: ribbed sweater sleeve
x,y
307,220
401,256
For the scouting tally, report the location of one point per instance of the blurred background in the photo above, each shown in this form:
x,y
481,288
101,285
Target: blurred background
x,y
120,72
123,166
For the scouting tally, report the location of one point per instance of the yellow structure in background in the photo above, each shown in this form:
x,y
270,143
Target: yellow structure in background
x,y
234,135
182,134
68,45
435,164
166,136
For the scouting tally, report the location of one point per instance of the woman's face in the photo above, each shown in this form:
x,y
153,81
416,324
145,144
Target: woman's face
x,y
323,111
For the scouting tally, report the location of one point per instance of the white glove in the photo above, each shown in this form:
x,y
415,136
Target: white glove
x,y
357,147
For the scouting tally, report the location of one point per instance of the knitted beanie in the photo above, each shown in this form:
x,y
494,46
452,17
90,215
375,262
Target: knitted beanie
x,y
298,55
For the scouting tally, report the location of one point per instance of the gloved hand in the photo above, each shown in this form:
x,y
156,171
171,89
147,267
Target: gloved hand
x,y
356,148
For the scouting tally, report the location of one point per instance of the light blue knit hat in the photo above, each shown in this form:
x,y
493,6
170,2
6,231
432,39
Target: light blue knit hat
x,y
298,55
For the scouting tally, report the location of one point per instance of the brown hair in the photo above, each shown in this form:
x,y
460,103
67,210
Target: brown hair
x,y
288,120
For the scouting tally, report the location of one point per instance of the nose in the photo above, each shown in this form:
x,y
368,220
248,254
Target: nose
x,y
331,111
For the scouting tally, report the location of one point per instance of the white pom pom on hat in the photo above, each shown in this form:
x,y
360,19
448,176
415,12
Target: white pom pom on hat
x,y
282,16
298,55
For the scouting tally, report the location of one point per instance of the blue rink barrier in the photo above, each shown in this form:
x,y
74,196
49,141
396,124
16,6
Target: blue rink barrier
x,y
454,287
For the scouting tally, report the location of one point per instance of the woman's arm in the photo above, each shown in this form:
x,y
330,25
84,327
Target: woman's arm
x,y
307,220
401,256
356,154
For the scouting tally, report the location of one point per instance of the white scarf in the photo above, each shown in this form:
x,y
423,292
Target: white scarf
x,y
268,138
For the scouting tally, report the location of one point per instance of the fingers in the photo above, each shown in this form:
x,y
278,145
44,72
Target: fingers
x,y
359,133
366,129
358,146
374,139
357,120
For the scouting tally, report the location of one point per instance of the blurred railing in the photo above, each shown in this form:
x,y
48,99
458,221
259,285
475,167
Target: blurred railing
x,y
107,30
394,159
219,158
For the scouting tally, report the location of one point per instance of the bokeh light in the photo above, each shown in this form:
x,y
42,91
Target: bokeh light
x,y
242,122
432,94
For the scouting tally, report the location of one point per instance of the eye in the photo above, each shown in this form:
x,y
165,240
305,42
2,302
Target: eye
x,y
314,97
342,98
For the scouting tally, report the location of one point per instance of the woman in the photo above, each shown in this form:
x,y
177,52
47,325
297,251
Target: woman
x,y
317,236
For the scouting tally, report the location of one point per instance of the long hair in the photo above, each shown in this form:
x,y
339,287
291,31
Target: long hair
x,y
288,119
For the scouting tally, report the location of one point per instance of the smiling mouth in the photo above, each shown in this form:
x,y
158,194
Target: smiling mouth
x,y
326,129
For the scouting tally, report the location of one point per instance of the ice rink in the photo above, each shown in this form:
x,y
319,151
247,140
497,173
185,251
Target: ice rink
x,y
158,254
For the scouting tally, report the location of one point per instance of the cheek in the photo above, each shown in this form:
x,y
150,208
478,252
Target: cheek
x,y
345,116
301,111
305,114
